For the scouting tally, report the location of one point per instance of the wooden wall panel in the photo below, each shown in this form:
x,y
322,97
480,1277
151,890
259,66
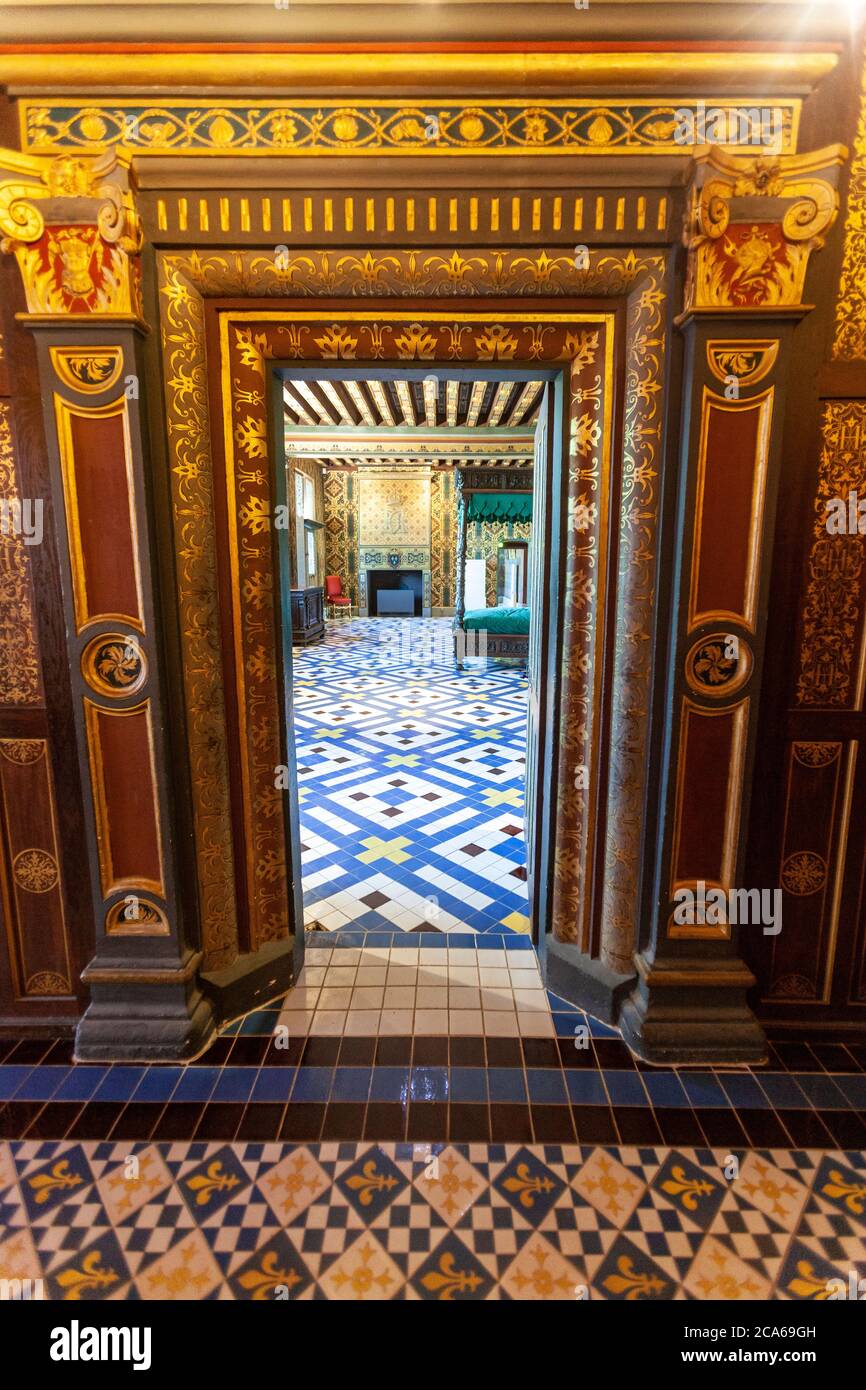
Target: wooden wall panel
x,y
729,508
100,500
123,771
35,921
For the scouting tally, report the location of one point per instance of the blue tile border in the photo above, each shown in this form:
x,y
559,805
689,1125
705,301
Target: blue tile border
x,y
406,940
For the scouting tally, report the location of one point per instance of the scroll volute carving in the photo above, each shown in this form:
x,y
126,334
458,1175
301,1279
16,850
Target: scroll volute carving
x,y
72,224
752,223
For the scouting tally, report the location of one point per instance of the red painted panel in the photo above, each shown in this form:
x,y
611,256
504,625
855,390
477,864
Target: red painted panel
x,y
725,522
127,817
104,515
706,751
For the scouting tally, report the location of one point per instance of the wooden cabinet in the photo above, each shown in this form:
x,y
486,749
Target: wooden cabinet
x,y
308,616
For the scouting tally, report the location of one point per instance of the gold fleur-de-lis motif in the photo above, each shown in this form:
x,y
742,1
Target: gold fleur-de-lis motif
x,y
79,1282
206,1185
631,1283
808,1284
449,1280
368,1182
853,1193
44,1184
267,1277
528,1186
689,1190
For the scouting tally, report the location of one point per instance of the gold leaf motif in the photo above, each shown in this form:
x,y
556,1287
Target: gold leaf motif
x,y
45,1184
267,1277
689,1190
808,1284
803,873
854,1194
600,131
79,1282
368,1182
212,1181
221,131
35,870
632,1284
528,1186
449,1280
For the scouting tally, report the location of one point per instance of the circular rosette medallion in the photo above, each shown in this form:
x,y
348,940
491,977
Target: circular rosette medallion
x,y
35,870
718,665
114,665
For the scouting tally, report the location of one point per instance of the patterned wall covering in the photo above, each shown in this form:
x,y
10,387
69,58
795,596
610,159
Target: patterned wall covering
x,y
310,469
483,542
341,516
395,511
443,540
340,490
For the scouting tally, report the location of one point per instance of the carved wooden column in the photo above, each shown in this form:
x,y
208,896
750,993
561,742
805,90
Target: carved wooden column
x,y
73,228
751,228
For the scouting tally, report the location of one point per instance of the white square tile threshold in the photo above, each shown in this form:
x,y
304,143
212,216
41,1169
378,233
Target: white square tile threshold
x,y
367,992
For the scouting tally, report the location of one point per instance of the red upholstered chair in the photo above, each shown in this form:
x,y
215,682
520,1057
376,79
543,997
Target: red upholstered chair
x,y
335,599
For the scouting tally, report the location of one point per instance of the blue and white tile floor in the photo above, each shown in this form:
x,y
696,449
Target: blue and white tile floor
x,y
411,781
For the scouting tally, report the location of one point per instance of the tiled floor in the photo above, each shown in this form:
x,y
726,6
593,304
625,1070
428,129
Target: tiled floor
x,y
545,1073
410,778
419,1117
347,1221
409,984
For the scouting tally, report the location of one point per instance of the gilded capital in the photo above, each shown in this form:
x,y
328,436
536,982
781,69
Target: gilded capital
x,y
752,223
72,225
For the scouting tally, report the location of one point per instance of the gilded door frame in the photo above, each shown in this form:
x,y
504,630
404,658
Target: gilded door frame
x,y
637,280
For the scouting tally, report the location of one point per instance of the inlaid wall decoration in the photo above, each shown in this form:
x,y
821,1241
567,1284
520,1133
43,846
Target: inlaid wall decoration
x,y
831,667
20,677
817,800
36,925
316,127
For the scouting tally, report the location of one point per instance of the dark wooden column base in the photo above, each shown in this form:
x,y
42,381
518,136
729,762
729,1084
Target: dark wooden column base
x,y
144,1016
253,979
688,1011
589,984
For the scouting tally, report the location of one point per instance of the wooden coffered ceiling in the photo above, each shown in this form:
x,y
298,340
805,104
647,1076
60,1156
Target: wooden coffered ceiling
x,y
440,423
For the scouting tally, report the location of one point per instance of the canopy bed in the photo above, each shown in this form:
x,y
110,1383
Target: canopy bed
x,y
490,499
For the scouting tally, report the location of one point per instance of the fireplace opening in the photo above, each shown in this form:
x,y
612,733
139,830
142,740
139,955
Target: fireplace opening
x,y
395,593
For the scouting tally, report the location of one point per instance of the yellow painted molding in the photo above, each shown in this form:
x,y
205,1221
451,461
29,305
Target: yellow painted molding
x,y
734,71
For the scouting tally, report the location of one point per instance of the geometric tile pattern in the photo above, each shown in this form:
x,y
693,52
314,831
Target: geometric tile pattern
x,y
368,1222
411,778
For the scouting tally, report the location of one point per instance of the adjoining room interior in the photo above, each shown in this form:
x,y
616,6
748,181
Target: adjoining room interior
x,y
411,764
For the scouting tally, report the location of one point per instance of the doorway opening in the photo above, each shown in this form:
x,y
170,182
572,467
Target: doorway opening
x,y
409,561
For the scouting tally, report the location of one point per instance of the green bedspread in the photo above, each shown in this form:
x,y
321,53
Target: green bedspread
x,y
510,620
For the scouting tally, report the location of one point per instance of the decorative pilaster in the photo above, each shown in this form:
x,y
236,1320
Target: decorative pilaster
x,y
73,228
750,231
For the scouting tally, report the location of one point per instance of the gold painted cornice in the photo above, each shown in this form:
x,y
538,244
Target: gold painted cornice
x,y
784,70
752,224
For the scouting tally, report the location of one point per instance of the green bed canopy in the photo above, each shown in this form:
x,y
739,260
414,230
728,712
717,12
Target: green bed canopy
x,y
499,506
